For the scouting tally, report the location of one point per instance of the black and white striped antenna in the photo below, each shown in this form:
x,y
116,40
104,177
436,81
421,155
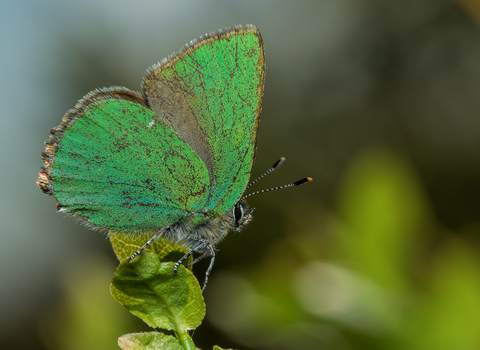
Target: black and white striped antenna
x,y
274,166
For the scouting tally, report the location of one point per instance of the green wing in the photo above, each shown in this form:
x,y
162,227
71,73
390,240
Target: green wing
x,y
120,167
211,94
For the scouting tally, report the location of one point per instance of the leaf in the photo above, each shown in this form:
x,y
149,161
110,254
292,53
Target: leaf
x,y
125,246
216,347
149,289
148,341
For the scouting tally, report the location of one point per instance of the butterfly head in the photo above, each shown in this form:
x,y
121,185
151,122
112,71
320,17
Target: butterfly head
x,y
242,214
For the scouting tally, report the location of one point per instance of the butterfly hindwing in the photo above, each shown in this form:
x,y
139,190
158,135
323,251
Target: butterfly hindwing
x,y
211,94
118,166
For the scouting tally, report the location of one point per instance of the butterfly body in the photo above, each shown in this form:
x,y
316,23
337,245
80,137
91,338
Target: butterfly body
x,y
173,159
213,231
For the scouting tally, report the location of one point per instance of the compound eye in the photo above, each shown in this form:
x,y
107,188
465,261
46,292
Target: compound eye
x,y
238,214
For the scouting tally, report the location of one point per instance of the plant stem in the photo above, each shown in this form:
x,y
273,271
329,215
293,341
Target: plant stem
x,y
185,340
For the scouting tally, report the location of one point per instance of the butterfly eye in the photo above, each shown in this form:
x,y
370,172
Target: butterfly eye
x,y
238,214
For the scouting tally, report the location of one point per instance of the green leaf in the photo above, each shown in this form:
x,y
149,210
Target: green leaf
x,y
125,246
216,347
149,289
148,341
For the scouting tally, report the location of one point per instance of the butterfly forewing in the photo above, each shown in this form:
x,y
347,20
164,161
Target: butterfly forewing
x,y
211,94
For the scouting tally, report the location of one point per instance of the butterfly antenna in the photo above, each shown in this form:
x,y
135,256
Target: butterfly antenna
x,y
273,167
296,183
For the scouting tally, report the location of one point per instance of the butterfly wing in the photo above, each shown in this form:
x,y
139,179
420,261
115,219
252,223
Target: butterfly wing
x,y
211,93
115,164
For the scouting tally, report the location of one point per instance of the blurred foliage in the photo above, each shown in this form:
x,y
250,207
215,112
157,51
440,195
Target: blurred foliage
x,y
472,7
87,317
379,290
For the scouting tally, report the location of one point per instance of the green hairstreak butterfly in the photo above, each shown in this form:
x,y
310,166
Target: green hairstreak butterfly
x,y
173,159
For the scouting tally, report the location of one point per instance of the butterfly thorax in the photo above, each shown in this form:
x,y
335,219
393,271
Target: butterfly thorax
x,y
200,227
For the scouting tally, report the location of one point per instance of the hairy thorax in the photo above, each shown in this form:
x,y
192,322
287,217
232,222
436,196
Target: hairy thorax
x,y
213,230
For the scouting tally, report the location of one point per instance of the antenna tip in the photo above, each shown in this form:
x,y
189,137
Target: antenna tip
x,y
278,162
302,181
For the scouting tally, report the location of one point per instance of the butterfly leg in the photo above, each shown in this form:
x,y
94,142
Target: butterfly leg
x,y
186,256
205,245
212,260
197,260
150,241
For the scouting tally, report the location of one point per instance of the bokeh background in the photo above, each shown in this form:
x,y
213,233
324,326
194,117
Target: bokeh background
x,y
378,101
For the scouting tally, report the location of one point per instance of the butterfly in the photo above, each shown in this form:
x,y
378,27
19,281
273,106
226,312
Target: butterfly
x,y
173,160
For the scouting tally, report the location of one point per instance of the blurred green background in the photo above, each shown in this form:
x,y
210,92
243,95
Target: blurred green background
x,y
378,101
